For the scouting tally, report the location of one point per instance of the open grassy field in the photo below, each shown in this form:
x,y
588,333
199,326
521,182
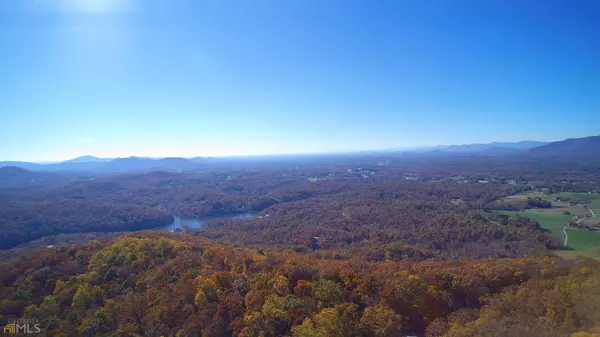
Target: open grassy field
x,y
592,199
559,206
581,242
578,210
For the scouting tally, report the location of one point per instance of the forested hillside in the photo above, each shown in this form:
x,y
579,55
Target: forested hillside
x,y
389,218
160,284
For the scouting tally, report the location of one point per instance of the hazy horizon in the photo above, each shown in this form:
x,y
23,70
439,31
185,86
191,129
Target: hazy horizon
x,y
202,78
190,156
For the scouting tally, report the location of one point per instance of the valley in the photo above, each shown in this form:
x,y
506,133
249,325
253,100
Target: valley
x,y
381,244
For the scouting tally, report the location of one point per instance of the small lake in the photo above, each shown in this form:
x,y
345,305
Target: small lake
x,y
199,222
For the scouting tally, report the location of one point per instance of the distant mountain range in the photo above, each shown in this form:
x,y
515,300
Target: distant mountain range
x,y
567,148
94,164
491,148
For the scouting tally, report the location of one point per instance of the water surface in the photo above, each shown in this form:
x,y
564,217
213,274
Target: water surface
x,y
199,222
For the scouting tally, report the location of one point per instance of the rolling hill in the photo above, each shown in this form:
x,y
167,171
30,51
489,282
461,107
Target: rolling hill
x,y
88,159
573,147
18,178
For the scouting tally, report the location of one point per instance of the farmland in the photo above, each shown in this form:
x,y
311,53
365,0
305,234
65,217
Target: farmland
x,y
566,208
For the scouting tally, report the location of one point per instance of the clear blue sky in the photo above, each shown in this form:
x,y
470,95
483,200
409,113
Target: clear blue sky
x,y
194,78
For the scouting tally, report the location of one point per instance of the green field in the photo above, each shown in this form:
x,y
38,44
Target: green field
x,y
558,207
581,242
592,199
595,205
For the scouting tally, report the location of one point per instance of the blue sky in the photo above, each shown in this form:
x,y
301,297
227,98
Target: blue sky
x,y
195,78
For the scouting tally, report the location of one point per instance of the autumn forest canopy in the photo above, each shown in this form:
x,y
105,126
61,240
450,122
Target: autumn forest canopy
x,y
351,245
